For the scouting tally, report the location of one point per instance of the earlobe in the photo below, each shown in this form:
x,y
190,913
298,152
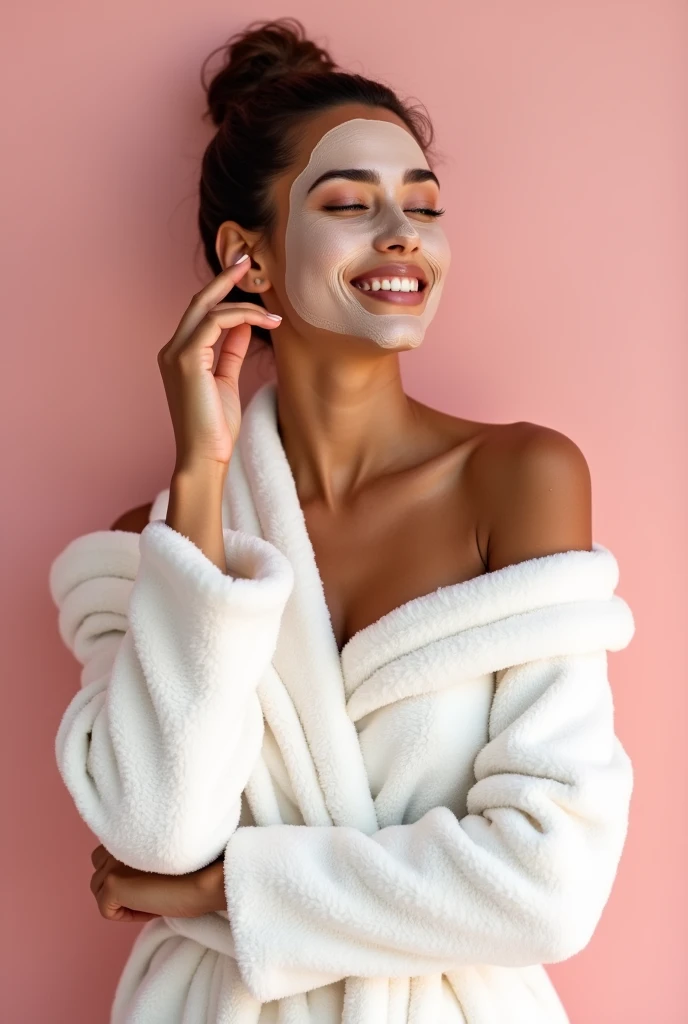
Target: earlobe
x,y
227,254
256,282
252,281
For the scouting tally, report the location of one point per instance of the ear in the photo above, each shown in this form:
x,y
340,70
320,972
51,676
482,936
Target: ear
x,y
232,241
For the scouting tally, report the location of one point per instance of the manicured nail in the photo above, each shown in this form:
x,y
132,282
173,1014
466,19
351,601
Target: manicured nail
x,y
240,259
274,316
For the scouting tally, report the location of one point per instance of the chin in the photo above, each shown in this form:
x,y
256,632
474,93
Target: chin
x,y
398,340
399,344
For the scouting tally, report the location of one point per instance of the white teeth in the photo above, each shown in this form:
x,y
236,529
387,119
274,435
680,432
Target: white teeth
x,y
393,284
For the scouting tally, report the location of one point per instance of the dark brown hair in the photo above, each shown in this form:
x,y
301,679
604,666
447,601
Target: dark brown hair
x,y
272,78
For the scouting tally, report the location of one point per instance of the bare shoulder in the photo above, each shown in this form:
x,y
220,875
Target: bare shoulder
x,y
134,520
534,492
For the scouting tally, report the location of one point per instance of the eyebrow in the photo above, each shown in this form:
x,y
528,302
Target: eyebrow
x,y
413,176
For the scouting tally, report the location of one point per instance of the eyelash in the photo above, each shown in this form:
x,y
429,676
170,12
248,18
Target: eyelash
x,y
360,206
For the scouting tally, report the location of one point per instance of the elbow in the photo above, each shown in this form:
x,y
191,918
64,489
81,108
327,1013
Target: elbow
x,y
570,921
565,935
199,847
149,837
563,913
160,860
544,938
148,845
571,909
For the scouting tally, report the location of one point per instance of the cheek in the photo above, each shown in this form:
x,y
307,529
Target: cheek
x,y
329,245
437,250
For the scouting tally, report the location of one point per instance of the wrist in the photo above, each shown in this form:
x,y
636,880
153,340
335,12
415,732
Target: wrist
x,y
211,886
197,489
197,471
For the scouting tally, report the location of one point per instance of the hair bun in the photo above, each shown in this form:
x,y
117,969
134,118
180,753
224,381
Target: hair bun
x,y
263,52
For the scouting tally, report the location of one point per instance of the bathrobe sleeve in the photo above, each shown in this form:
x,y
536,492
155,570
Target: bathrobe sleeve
x,y
522,878
159,742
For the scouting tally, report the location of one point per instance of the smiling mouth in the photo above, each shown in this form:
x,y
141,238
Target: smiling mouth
x,y
391,290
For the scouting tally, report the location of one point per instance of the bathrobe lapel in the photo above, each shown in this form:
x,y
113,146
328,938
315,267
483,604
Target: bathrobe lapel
x,y
315,695
263,499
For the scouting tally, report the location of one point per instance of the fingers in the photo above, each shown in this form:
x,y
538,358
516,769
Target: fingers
x,y
103,862
100,874
99,855
209,328
104,885
204,405
210,295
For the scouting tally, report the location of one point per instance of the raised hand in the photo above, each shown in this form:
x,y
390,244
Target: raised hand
x,y
204,405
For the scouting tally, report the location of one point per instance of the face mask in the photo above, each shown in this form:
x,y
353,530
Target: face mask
x,y
324,251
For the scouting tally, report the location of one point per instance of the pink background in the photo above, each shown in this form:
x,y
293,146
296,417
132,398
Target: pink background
x,y
564,132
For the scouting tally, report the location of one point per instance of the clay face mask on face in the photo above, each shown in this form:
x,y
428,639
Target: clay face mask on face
x,y
325,250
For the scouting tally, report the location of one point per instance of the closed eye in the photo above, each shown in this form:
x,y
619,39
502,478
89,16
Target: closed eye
x,y
417,209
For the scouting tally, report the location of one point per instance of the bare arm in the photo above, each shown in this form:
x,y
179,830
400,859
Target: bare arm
x,y
195,509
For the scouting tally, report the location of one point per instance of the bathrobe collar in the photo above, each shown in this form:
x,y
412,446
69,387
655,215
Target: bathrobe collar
x,y
262,499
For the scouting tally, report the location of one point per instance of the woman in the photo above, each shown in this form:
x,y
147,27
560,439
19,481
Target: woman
x,y
345,730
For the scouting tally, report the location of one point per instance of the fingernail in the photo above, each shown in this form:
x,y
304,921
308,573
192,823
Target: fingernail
x,y
240,259
274,316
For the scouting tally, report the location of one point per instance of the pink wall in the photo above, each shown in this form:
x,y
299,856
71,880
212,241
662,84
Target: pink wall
x,y
563,125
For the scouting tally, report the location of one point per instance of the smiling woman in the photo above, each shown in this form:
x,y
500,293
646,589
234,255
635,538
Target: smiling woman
x,y
404,282
345,732
266,113
327,248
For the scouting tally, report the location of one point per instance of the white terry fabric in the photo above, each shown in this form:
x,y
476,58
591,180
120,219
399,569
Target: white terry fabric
x,y
411,829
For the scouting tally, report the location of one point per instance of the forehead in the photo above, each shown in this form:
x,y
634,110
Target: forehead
x,y
363,143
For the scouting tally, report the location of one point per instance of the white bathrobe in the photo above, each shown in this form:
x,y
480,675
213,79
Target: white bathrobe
x,y
410,829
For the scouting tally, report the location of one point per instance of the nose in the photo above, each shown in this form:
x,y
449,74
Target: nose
x,y
398,235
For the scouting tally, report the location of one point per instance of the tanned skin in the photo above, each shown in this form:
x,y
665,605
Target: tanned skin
x,y
399,498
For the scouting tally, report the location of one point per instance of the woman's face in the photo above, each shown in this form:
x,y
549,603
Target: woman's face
x,y
387,188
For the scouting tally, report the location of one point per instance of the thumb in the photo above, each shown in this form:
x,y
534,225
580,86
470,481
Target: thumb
x,y
232,353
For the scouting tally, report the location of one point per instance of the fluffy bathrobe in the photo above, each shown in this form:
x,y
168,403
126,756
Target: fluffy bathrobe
x,y
410,828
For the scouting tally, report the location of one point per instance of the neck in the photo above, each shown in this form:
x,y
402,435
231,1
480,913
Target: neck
x,y
342,421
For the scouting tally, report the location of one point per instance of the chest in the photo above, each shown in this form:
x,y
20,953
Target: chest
x,y
401,540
